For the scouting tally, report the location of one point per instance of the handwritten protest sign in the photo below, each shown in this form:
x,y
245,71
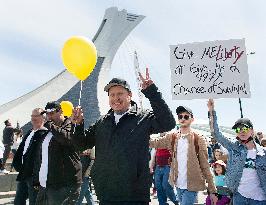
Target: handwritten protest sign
x,y
213,69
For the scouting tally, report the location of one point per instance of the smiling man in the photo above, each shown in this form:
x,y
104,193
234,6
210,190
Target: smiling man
x,y
246,174
121,173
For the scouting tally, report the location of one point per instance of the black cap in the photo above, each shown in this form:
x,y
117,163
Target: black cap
x,y
117,82
52,106
181,109
243,121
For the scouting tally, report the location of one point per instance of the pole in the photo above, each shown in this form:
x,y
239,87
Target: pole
x,y
240,104
239,99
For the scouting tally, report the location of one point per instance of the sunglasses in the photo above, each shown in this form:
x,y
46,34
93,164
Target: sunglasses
x,y
244,129
185,117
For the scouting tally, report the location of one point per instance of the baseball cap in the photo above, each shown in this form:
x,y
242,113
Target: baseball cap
x,y
181,109
52,106
117,82
243,121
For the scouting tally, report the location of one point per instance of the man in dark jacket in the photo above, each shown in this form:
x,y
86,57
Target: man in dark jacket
x,y
121,138
59,174
25,157
8,141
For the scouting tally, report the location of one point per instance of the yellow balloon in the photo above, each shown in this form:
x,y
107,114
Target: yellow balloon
x,y
79,56
67,108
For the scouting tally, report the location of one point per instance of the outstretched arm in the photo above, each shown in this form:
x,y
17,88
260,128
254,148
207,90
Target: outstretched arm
x,y
224,141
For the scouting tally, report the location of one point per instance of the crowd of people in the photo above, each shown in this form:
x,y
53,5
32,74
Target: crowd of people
x,y
127,149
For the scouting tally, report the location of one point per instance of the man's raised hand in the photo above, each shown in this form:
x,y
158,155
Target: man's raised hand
x,y
145,82
210,105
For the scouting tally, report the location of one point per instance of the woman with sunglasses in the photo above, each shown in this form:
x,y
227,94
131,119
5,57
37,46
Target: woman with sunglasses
x,y
246,166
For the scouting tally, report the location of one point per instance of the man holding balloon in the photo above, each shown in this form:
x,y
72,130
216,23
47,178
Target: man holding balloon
x,y
121,139
57,173
120,173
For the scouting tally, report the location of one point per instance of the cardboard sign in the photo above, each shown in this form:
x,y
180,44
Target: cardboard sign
x,y
213,69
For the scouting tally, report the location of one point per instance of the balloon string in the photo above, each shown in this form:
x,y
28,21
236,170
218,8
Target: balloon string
x,y
80,91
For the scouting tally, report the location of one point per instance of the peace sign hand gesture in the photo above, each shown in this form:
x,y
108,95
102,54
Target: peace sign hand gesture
x,y
145,82
77,115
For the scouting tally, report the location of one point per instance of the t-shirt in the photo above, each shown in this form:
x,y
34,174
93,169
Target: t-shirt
x,y
249,185
117,117
44,166
182,152
219,180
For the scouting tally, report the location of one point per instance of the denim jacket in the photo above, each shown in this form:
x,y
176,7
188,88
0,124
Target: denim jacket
x,y
237,157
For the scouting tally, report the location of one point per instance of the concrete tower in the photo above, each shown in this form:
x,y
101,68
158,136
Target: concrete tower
x,y
114,28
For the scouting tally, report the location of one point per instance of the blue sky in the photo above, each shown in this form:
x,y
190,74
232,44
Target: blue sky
x,y
32,33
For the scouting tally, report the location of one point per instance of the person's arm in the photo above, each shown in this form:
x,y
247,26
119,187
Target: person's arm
x,y
17,160
204,165
224,141
152,161
62,134
92,157
83,139
162,119
162,142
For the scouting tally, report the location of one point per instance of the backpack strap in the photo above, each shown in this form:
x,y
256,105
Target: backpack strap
x,y
196,142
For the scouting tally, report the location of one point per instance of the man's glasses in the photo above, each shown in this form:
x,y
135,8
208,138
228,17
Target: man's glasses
x,y
185,117
244,129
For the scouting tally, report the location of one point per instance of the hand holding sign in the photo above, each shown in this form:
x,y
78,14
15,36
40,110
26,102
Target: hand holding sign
x,y
145,82
211,105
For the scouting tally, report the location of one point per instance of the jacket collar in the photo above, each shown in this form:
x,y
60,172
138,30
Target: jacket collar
x,y
260,149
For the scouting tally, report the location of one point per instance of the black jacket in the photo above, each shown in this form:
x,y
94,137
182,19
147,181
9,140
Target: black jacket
x,y
25,169
120,171
64,166
8,135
